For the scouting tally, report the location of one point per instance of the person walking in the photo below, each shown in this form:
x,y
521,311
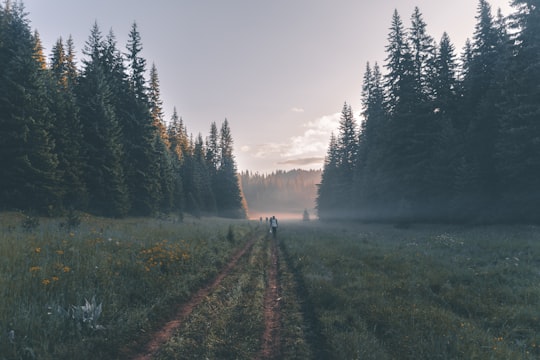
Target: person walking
x,y
273,226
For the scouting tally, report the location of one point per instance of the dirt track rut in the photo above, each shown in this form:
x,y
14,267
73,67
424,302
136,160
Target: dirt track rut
x,y
272,315
270,338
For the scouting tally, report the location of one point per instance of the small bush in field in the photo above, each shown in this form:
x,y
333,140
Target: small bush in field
x,y
30,222
73,219
230,234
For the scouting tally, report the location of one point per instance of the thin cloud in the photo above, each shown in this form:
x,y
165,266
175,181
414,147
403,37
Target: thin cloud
x,y
303,161
269,150
297,110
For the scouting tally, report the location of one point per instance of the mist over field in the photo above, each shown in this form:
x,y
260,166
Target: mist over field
x,y
287,193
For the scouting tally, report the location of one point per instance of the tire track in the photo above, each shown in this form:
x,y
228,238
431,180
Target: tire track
x,y
161,336
314,336
271,340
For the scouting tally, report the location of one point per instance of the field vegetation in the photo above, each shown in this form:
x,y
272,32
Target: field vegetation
x,y
85,287
427,292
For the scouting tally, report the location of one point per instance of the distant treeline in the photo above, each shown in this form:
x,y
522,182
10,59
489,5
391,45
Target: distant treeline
x,y
443,139
93,138
281,191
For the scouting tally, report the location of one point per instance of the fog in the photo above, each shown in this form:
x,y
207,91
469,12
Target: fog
x,y
281,215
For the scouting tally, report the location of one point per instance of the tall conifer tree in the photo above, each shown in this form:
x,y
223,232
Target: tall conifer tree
x,y
518,149
103,147
446,147
228,195
347,150
479,179
371,141
326,203
140,132
67,130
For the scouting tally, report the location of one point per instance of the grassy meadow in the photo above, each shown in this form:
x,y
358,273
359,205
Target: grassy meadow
x,y
427,292
87,291
92,288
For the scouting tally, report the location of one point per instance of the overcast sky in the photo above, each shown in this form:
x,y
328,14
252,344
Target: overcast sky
x,y
278,70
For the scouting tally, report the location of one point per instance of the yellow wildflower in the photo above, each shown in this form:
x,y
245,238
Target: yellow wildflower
x,y
66,269
55,278
37,250
45,282
60,252
35,268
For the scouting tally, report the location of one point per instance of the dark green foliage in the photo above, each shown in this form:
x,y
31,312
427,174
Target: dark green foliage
x,y
227,184
29,164
67,129
94,139
327,206
140,133
347,152
442,142
518,150
103,148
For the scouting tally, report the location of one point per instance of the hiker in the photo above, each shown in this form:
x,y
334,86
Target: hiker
x,y
273,226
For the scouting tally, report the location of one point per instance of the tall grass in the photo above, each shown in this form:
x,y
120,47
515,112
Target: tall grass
x,y
54,279
428,292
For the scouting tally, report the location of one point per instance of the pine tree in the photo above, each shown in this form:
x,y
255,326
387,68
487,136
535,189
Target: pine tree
x,y
423,55
446,149
139,131
228,194
479,99
174,134
408,133
103,149
156,105
518,149
347,154
327,204
29,165
202,178
213,157
72,73
161,144
67,130
400,77
444,82
347,141
212,149
371,142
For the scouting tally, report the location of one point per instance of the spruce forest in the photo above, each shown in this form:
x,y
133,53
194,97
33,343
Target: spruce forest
x,y
92,136
444,137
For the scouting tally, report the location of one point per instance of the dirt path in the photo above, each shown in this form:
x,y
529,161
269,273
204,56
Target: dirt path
x,y
161,336
271,347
